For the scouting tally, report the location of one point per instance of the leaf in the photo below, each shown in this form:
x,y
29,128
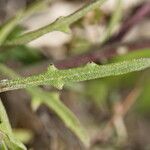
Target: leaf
x,y
52,100
58,78
98,91
24,135
9,140
22,53
3,146
139,53
114,21
4,123
8,27
143,104
70,120
61,24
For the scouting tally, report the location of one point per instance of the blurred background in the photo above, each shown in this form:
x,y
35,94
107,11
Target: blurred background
x,y
114,111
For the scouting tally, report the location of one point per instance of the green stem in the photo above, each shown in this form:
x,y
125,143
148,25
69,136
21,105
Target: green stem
x,y
21,14
61,24
53,101
58,78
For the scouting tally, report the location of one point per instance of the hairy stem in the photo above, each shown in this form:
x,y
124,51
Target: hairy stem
x,y
61,24
58,78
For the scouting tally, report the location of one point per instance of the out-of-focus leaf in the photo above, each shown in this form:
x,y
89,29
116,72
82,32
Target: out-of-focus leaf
x,y
24,54
23,135
8,138
141,53
52,100
79,45
61,24
143,102
9,26
115,19
97,90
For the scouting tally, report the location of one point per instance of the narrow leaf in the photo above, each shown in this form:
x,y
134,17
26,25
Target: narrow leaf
x,y
61,24
58,78
8,138
114,21
52,100
7,27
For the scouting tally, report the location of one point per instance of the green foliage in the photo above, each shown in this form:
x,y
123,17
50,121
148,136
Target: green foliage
x,y
58,78
98,91
8,139
141,53
114,21
61,24
55,77
143,103
24,54
52,100
8,27
24,135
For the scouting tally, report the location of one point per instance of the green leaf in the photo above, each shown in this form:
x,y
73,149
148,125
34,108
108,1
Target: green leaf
x,y
61,24
139,53
143,104
24,135
98,91
70,120
52,100
4,122
25,54
7,136
8,27
3,146
58,78
115,19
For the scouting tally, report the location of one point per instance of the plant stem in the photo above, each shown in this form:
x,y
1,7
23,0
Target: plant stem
x,y
58,78
99,54
7,27
61,24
